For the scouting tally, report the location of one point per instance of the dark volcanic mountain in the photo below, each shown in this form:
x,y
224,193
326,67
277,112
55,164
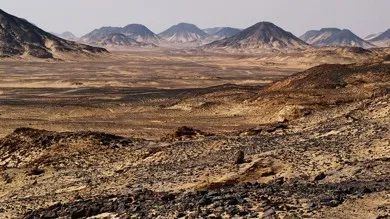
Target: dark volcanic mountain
x,y
183,33
19,37
382,40
121,40
263,36
140,33
68,36
334,37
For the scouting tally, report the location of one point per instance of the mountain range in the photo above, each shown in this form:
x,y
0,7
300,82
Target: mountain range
x,y
334,37
137,32
119,40
19,37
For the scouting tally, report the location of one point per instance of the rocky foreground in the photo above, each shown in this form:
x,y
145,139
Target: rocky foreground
x,y
329,159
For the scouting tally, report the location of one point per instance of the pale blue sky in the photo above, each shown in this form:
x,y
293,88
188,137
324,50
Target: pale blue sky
x,y
297,16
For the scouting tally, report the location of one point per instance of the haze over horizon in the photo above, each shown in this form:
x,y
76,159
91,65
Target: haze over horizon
x,y
80,17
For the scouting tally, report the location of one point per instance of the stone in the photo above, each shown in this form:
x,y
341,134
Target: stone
x,y
240,158
204,201
320,176
268,213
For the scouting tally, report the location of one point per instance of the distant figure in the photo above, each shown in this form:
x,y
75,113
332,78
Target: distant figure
x,y
240,158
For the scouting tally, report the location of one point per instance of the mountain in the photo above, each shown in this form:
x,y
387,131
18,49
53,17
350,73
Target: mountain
x,y
20,37
223,33
183,33
100,33
68,36
372,36
137,32
121,40
383,40
263,36
308,35
212,31
140,33
334,37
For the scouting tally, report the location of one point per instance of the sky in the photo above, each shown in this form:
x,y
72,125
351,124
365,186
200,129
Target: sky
x,y
362,17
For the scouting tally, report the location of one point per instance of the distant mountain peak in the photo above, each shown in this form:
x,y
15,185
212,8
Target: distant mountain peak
x,y
262,36
334,37
137,32
183,33
120,40
382,39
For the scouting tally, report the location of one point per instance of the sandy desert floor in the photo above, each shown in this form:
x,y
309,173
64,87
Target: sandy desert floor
x,y
122,93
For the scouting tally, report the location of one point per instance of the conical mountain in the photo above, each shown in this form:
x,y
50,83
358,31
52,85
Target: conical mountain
x,y
68,36
261,37
334,37
140,33
183,33
382,40
100,33
20,37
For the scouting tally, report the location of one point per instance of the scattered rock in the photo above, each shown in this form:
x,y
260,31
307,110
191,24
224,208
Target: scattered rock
x,y
268,213
240,158
35,172
320,176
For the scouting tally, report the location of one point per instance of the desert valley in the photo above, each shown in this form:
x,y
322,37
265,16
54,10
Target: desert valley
x,y
193,123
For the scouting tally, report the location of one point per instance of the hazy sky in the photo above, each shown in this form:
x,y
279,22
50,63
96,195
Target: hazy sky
x,y
297,16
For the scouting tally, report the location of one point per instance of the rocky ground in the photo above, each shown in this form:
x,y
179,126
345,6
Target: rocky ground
x,y
324,154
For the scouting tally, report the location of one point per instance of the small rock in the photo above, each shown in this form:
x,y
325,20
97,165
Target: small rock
x,y
320,176
180,214
240,158
204,201
35,172
308,205
268,213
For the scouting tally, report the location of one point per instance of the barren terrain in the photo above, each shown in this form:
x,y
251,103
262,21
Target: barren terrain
x,y
190,134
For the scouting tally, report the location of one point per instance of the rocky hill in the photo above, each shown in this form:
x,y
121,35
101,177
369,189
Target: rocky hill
x,y
382,40
100,33
183,33
334,37
223,33
18,37
211,31
137,32
261,37
121,40
372,36
141,34
68,36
